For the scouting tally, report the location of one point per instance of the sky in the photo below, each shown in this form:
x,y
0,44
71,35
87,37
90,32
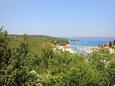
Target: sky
x,y
59,18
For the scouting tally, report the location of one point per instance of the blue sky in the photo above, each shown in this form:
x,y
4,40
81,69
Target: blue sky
x,y
59,17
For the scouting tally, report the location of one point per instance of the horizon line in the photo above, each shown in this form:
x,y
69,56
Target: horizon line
x,y
62,36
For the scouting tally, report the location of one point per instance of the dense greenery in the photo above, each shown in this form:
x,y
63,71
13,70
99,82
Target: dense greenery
x,y
31,61
35,42
112,44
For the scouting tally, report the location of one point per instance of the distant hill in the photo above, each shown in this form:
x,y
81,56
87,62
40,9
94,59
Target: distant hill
x,y
39,39
36,41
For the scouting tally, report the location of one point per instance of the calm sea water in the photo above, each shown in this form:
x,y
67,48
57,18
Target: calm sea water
x,y
88,41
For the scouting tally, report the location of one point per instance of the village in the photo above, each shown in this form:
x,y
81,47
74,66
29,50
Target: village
x,y
87,49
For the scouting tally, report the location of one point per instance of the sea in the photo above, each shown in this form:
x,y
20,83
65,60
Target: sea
x,y
88,41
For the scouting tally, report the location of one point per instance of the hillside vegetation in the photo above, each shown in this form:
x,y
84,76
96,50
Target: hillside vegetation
x,y
35,41
31,61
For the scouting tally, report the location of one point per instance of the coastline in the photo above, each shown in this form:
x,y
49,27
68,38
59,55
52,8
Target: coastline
x,y
90,49
81,49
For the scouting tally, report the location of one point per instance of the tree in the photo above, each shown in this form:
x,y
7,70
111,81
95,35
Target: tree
x,y
16,68
110,44
13,72
113,42
111,70
5,54
47,52
5,51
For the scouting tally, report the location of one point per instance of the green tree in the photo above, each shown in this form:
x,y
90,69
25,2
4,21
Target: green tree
x,y
110,44
5,51
12,66
113,42
111,70
5,54
16,74
47,52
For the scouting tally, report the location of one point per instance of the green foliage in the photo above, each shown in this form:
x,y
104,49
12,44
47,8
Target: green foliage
x,y
5,52
110,44
113,42
111,70
12,66
31,61
47,52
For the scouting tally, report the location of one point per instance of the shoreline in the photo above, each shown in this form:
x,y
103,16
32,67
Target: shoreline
x,y
81,49
90,49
